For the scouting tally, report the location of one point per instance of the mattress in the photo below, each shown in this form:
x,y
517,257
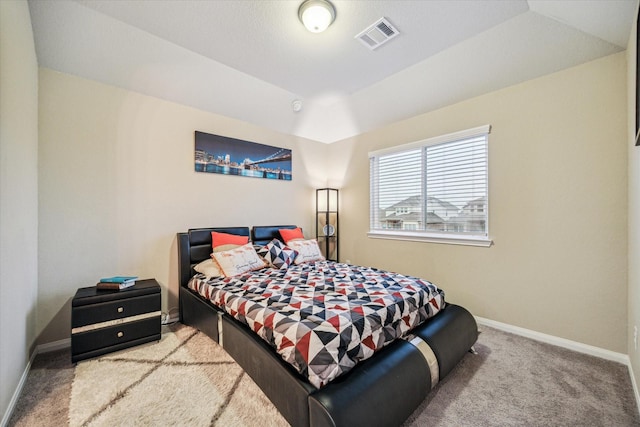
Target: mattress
x,y
324,317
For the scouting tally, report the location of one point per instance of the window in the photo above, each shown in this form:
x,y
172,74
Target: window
x,y
434,190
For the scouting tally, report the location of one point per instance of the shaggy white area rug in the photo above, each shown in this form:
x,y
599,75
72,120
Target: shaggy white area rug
x,y
184,379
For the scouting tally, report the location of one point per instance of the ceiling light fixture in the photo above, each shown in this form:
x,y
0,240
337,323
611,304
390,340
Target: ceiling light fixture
x,y
316,15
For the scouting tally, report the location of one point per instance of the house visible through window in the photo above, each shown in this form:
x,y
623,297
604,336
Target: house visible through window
x,y
432,190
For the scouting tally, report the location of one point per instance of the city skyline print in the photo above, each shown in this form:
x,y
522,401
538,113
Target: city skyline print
x,y
231,156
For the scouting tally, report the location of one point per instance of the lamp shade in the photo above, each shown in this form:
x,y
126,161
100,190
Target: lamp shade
x,y
322,201
327,200
316,15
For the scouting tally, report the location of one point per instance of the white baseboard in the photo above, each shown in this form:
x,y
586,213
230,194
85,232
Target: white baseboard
x,y
41,348
17,392
635,385
53,346
560,342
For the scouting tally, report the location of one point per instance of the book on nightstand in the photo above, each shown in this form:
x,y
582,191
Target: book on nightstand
x,y
116,282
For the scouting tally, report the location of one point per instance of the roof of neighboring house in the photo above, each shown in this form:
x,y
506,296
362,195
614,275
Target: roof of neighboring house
x,y
414,217
479,201
416,201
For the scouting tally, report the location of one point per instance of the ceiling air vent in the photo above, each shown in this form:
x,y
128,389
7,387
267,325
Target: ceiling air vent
x,y
377,34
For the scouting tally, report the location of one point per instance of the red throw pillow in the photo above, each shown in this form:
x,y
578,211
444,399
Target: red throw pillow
x,y
291,234
224,239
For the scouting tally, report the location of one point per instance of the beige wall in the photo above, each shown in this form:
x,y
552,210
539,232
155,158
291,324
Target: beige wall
x,y
18,195
558,205
634,211
117,183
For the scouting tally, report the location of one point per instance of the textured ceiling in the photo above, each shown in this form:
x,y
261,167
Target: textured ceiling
x,y
250,59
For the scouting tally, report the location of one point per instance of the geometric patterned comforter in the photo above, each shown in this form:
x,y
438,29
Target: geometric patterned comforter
x,y
324,317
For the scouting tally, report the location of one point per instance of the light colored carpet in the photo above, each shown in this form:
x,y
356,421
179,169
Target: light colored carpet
x,y
515,381
188,380
185,379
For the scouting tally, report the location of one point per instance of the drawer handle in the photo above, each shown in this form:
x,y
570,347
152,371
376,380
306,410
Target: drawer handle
x,y
120,334
120,309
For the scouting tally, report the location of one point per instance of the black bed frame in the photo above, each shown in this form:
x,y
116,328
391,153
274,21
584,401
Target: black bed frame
x,y
384,390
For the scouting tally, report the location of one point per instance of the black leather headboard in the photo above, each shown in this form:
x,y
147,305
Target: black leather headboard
x,y
194,246
261,235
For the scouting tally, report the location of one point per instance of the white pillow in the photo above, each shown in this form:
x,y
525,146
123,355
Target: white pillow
x,y
239,260
209,268
308,250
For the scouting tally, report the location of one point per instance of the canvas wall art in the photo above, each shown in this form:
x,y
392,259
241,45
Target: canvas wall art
x,y
230,156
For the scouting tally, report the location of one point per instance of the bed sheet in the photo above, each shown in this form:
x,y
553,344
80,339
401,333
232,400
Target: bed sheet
x,y
324,317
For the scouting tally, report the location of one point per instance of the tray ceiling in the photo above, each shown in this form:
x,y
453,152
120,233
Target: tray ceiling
x,y
250,60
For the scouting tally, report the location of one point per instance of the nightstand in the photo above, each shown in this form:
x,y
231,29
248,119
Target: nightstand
x,y
103,321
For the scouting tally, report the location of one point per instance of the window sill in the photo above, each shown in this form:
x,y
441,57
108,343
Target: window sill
x,y
432,238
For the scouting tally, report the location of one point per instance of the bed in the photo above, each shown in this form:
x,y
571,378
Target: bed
x,y
382,390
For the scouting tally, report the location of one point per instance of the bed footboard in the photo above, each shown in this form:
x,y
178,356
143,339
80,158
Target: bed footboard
x,y
450,334
381,391
386,389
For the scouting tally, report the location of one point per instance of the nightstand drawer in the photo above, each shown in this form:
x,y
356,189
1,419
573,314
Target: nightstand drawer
x,y
113,335
105,321
111,310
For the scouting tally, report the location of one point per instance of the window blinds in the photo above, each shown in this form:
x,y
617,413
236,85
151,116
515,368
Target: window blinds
x,y
438,185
